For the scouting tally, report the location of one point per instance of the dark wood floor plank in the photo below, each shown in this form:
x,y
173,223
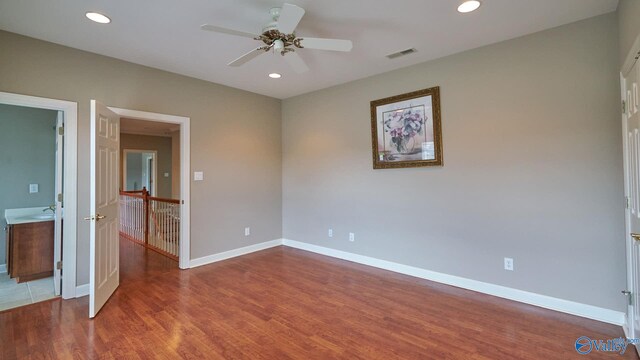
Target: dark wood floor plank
x,y
284,303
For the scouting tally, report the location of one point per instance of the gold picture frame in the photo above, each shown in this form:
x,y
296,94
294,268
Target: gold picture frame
x,y
406,130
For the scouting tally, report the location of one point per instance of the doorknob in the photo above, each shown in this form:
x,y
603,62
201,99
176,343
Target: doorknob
x,y
635,236
96,218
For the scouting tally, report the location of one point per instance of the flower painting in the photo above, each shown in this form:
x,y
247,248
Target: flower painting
x,y
402,126
406,130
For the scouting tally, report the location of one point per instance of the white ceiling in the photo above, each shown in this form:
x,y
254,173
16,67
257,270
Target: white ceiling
x,y
165,34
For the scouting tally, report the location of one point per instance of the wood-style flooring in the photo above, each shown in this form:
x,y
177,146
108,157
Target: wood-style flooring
x,y
284,303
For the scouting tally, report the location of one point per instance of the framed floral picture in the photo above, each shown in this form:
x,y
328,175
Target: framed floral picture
x,y
405,130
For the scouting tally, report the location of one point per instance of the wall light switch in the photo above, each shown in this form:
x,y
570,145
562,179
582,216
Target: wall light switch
x,y
247,231
166,174
198,176
33,188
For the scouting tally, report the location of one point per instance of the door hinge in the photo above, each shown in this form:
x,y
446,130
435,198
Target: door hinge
x,y
58,265
624,106
627,202
61,197
61,131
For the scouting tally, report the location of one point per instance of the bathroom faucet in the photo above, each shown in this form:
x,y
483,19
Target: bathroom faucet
x,y
50,207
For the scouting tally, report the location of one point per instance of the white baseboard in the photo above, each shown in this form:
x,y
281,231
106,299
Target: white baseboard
x,y
235,252
82,290
3,268
547,302
544,301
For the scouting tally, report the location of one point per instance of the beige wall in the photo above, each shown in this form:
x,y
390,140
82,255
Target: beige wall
x,y
175,165
241,159
533,167
628,25
163,147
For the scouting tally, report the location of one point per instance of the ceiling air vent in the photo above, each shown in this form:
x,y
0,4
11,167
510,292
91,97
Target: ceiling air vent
x,y
401,53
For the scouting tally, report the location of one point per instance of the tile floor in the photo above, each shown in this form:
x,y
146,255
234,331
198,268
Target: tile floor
x,y
13,294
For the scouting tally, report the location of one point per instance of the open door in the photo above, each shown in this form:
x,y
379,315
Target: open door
x,y
632,183
57,240
104,247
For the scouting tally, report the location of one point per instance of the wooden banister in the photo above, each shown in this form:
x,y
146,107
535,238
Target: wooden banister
x,y
172,201
166,222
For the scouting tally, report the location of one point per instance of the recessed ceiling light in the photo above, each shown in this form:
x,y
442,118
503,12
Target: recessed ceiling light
x,y
469,6
275,76
97,17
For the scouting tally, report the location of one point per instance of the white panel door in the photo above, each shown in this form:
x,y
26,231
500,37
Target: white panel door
x,y
104,237
632,108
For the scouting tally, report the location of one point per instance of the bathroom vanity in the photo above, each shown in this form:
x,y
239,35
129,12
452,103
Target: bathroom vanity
x,y
30,238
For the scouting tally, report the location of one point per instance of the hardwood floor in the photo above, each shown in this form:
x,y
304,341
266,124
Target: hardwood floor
x,y
284,303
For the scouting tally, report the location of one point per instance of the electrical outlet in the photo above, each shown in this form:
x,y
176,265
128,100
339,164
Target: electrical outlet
x,y
247,231
352,237
508,264
330,233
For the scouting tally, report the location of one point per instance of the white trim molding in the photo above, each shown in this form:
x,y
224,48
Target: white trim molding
x,y
70,188
547,302
234,253
632,57
543,301
185,170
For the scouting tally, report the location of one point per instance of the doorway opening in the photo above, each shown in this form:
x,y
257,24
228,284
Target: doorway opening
x,y
172,166
150,197
139,170
41,176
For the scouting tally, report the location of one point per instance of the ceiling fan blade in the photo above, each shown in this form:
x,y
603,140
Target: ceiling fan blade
x,y
290,16
326,44
295,61
246,57
222,30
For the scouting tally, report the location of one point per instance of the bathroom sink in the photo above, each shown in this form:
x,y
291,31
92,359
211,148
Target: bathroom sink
x,y
36,217
28,215
42,216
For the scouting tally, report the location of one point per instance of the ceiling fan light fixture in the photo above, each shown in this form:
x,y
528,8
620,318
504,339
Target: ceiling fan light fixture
x,y
278,45
97,17
275,76
279,36
469,6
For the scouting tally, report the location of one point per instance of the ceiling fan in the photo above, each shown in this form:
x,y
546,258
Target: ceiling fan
x,y
280,36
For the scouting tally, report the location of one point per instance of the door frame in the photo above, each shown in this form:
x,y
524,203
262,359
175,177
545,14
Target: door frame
x,y
58,183
630,61
185,170
628,326
154,190
70,173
